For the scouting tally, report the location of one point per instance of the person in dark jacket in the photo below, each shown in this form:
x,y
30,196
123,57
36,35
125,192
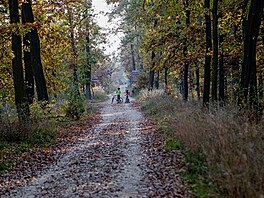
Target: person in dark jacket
x,y
127,98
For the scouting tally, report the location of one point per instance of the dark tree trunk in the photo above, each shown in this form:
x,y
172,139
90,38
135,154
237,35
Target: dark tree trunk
x,y
221,73
133,57
215,51
191,82
152,70
185,87
253,95
262,30
157,80
89,69
197,73
19,86
186,65
140,63
151,73
207,66
166,76
35,54
261,86
29,74
251,26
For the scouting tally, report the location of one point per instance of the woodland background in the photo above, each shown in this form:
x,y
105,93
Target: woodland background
x,y
206,57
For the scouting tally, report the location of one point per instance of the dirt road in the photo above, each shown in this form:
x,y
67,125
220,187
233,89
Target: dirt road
x,y
121,156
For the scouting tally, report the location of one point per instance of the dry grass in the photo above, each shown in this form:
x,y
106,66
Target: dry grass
x,y
233,148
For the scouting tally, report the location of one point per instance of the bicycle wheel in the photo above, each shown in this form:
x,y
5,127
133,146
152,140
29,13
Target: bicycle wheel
x,y
121,100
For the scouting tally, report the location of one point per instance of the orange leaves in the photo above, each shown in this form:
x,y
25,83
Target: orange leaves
x,y
34,25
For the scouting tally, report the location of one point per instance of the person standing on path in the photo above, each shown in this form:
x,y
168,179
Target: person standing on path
x,y
127,98
118,93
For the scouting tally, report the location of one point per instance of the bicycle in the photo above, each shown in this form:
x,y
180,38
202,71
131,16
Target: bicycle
x,y
114,98
120,100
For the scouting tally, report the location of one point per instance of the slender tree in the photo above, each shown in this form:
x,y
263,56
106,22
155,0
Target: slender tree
x,y
89,68
221,72
73,51
197,74
157,80
186,65
251,28
166,71
29,75
207,66
151,72
133,56
19,86
88,54
215,51
35,53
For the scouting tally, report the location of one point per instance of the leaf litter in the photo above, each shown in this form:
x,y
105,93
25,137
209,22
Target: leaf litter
x,y
119,153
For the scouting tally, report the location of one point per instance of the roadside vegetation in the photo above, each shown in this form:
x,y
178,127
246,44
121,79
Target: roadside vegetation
x,y
224,150
48,123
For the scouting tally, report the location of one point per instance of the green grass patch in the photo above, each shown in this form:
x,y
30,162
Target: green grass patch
x,y
23,147
43,136
5,166
4,145
172,144
197,175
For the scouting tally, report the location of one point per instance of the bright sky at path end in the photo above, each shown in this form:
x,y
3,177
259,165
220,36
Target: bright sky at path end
x,y
113,41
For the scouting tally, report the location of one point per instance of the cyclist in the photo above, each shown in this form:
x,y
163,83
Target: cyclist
x,y
118,93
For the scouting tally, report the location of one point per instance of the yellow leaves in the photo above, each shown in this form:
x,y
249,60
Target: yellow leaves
x,y
175,74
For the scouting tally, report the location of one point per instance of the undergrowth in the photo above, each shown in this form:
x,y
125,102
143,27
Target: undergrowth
x,y
41,131
99,95
225,152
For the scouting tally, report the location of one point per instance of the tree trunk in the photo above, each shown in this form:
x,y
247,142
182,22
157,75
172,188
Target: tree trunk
x,y
35,54
251,27
157,80
215,51
133,57
29,74
191,84
207,66
186,65
19,86
151,72
261,86
221,73
74,53
89,69
185,87
166,76
197,73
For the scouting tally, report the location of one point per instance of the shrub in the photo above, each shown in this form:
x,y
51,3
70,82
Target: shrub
x,y
74,109
99,94
39,131
74,105
233,148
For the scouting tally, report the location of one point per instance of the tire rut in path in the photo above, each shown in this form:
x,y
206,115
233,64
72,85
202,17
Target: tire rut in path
x,y
119,157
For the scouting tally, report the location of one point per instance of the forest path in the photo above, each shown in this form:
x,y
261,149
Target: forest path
x,y
121,156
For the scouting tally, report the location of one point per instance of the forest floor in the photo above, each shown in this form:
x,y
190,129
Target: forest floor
x,y
118,154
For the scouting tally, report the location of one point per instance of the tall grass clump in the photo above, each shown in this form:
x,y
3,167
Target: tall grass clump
x,y
15,139
232,147
39,130
99,94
